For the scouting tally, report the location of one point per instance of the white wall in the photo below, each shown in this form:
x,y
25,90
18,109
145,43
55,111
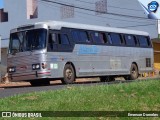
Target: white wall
x,y
121,13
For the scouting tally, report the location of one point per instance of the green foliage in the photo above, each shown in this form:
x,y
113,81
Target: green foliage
x,y
137,96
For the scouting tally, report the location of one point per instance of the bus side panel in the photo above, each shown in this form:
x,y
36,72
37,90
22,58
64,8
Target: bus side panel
x,y
145,53
101,60
56,63
94,60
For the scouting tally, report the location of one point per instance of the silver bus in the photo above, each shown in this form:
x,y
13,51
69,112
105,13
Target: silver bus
x,y
53,50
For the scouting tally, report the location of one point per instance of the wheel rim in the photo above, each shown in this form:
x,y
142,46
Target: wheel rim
x,y
69,74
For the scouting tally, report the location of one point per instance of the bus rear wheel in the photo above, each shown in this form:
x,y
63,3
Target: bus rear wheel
x,y
68,74
133,72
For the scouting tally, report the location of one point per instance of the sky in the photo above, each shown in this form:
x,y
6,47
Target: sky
x,y
1,3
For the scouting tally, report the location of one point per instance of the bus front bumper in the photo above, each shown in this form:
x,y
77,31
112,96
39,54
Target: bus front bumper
x,y
29,76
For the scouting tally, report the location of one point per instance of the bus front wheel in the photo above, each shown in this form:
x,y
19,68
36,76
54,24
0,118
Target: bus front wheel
x,y
68,74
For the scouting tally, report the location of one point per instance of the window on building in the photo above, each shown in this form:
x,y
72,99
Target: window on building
x,y
3,16
67,11
32,9
101,7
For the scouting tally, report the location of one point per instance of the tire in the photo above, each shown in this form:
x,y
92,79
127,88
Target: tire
x,y
40,83
107,79
68,74
133,72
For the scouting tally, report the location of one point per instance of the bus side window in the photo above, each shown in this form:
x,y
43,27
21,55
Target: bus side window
x,y
80,36
98,37
52,40
83,37
130,40
63,39
143,41
116,39
75,35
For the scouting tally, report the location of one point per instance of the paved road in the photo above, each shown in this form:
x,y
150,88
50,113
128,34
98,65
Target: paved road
x,y
6,92
11,91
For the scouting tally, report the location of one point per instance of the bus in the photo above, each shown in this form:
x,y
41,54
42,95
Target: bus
x,y
54,50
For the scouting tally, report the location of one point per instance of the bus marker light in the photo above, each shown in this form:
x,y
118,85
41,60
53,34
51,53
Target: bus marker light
x,y
54,66
51,65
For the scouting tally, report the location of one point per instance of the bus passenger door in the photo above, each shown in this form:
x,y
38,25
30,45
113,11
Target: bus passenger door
x,y
52,42
59,42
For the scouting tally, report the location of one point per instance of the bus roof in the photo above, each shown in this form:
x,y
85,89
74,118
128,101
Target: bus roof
x,y
57,25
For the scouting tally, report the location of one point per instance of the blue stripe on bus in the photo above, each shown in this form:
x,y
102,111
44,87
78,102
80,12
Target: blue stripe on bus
x,y
85,49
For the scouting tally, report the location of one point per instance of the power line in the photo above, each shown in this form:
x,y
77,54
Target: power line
x,y
101,16
108,5
79,12
88,9
59,3
85,1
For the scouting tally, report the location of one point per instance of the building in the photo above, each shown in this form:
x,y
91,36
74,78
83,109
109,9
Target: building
x,y
114,13
156,46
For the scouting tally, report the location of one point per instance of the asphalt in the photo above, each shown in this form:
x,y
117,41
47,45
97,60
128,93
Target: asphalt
x,y
15,90
12,91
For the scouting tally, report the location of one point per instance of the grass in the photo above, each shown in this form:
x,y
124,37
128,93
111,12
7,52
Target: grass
x,y
137,96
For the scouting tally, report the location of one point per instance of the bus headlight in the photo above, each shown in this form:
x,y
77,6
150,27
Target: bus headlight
x,y
35,66
11,69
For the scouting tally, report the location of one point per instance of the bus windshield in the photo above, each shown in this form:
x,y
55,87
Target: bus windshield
x,y
27,40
